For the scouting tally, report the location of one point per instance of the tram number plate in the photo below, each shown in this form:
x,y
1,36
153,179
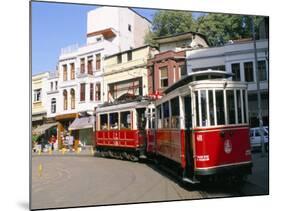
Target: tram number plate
x,y
202,158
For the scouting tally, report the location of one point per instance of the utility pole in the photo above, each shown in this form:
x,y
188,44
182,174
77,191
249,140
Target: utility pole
x,y
258,89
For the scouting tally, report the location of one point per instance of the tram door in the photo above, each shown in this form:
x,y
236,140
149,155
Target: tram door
x,y
150,129
141,122
188,135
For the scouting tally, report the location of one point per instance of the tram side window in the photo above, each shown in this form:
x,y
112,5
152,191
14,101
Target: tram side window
x,y
113,120
239,106
166,114
197,108
125,120
230,106
203,108
211,107
175,121
220,107
159,116
103,122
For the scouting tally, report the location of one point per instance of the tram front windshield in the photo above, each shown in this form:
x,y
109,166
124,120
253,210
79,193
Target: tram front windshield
x,y
214,107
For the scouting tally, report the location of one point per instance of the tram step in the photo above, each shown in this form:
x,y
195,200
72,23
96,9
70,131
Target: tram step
x,y
190,180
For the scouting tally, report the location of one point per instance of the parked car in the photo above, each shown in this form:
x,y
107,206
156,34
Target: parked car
x,y
255,138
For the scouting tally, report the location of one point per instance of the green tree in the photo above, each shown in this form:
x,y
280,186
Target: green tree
x,y
218,28
169,22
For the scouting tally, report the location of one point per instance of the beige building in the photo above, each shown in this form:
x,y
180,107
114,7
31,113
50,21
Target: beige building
x,y
39,111
125,73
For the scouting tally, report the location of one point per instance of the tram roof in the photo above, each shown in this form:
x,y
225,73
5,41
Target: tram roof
x,y
122,106
213,74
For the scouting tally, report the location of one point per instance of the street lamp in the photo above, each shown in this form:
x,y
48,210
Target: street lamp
x,y
258,89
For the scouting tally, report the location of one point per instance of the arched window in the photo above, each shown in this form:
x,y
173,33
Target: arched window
x,y
72,94
64,99
53,105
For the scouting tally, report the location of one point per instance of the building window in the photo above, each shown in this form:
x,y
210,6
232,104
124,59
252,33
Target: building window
x,y
236,71
64,100
82,92
262,70
98,61
37,95
98,90
64,72
72,94
72,71
98,39
53,105
129,56
56,85
90,65
119,58
129,27
91,91
52,86
220,67
82,65
163,77
183,70
249,73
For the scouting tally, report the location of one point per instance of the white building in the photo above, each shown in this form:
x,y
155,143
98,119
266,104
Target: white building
x,y
76,89
109,30
237,57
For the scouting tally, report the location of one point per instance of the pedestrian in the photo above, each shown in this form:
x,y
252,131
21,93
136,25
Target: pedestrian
x,y
53,141
70,141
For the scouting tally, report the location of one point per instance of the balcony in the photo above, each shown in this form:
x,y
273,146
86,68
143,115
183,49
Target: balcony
x,y
83,75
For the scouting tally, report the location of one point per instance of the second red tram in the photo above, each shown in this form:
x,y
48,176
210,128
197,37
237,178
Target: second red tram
x,y
121,130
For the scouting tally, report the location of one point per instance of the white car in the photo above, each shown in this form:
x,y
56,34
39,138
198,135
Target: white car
x,y
255,138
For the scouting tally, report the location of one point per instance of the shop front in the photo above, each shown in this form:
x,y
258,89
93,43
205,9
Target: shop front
x,y
64,121
82,129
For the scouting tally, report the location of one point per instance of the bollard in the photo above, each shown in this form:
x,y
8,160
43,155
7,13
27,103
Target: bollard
x,y
50,151
63,151
40,169
92,151
39,152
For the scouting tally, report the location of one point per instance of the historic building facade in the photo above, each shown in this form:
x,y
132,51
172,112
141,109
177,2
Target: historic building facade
x,y
39,99
125,73
75,89
237,57
169,65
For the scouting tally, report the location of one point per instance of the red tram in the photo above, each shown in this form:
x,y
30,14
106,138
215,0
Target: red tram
x,y
202,126
121,130
199,128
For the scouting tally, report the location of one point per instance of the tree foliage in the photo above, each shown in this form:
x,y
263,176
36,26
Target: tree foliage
x,y
218,28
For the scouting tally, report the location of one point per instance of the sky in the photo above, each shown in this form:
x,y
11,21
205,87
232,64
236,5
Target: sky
x,y
55,26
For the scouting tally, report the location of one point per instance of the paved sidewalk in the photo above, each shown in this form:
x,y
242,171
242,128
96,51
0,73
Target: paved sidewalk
x,y
87,151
